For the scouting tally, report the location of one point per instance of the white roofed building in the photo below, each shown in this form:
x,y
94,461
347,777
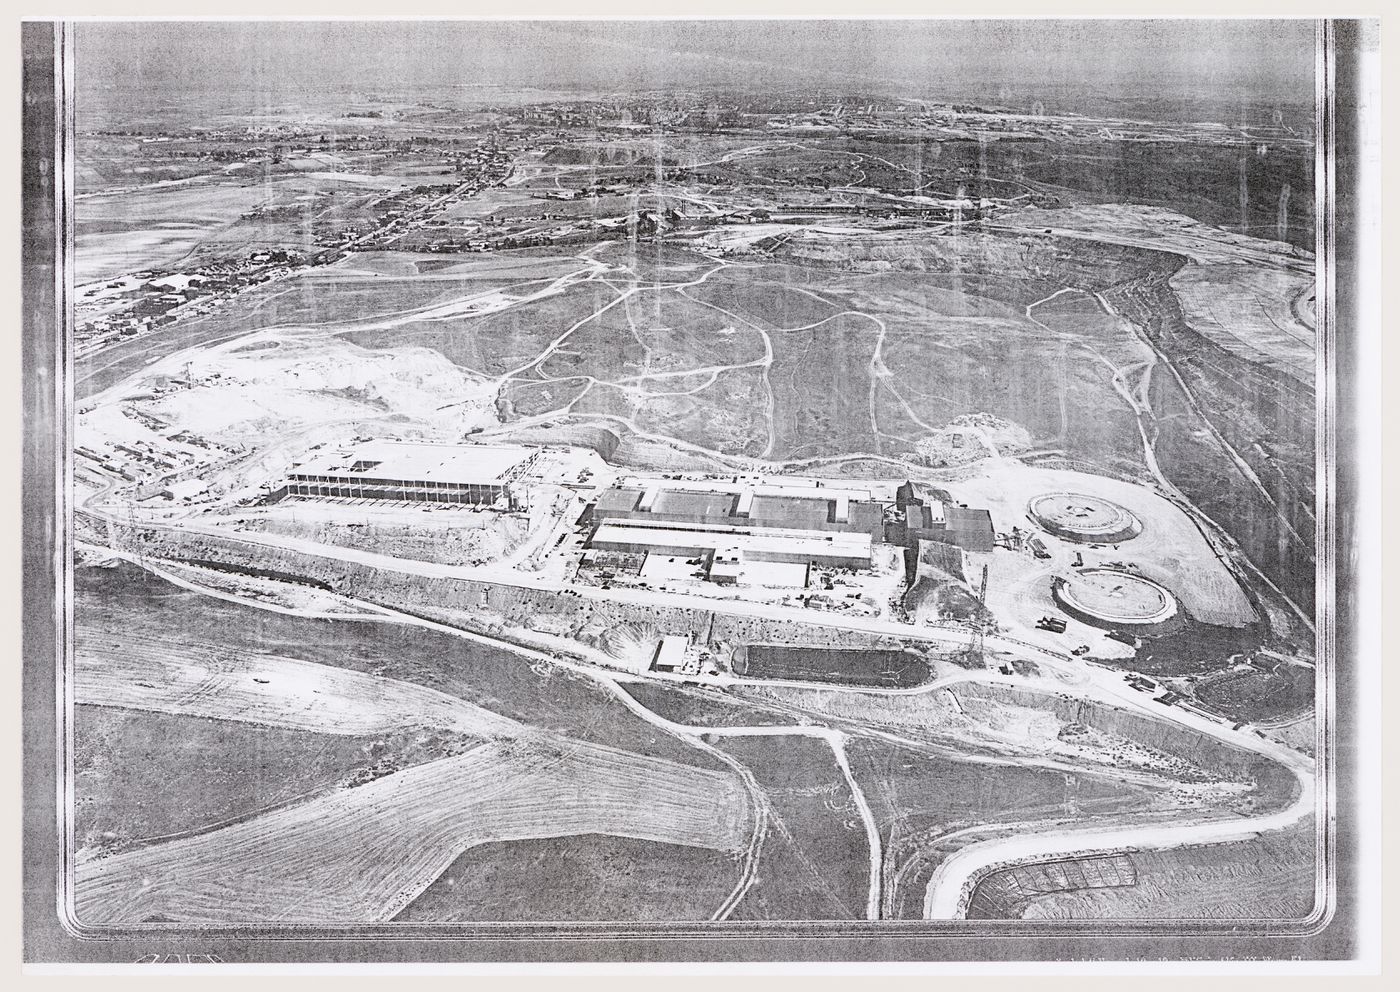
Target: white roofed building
x,y
413,471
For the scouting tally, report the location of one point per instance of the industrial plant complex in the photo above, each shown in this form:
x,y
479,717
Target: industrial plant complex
x,y
911,551
681,496
729,531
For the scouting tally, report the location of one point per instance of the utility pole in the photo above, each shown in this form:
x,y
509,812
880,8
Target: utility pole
x,y
979,634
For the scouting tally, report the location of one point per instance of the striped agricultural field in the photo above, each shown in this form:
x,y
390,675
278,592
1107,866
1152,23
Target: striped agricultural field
x,y
139,672
362,854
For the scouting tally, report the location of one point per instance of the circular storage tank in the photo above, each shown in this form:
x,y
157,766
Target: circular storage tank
x,y
1108,597
1084,519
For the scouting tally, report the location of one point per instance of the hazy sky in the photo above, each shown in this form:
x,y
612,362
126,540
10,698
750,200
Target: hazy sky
x,y
1246,61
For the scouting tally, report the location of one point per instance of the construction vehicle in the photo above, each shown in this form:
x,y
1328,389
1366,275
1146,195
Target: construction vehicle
x,y
1052,624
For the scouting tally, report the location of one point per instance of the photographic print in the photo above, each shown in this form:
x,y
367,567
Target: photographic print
x,y
655,483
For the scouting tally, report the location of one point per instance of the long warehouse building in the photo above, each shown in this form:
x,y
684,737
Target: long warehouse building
x,y
758,505
413,471
762,544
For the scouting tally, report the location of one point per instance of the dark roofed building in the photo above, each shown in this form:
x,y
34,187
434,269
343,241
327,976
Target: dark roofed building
x,y
616,502
969,528
919,492
805,513
928,515
699,507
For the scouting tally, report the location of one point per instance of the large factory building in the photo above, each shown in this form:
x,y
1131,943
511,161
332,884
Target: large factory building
x,y
414,472
779,504
752,544
925,515
743,531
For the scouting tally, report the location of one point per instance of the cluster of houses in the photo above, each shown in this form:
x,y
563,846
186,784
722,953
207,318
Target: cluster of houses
x,y
150,299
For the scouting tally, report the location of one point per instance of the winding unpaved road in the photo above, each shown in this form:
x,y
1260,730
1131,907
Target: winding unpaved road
x,y
834,739
952,884
1222,543
950,887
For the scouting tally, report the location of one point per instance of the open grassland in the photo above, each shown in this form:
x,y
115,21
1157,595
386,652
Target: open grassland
x,y
605,347
1204,183
822,384
109,163
921,295
142,777
996,720
653,332
362,291
702,707
464,272
1212,395
1055,391
1080,318
656,263
150,223
127,601
522,398
803,356
328,296
1159,229
153,670
778,297
582,877
358,290
495,343
918,329
724,416
1014,268
127,231
1263,492
1260,314
815,862
363,854
674,322
926,805
610,402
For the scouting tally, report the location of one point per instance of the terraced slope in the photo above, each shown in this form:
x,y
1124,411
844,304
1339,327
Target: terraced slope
x,y
363,854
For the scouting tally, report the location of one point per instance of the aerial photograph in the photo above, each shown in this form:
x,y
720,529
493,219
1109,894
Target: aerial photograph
x,y
693,473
